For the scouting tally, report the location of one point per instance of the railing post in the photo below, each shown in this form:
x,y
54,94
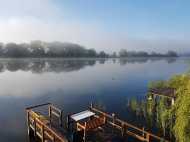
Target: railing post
x,y
104,117
30,133
60,118
91,105
147,137
34,126
113,120
50,113
143,131
126,129
28,123
123,129
84,137
53,138
68,122
43,137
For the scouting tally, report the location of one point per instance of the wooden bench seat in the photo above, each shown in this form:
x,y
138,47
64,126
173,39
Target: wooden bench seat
x,y
91,124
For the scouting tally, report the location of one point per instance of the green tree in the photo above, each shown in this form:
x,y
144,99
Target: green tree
x,y
177,117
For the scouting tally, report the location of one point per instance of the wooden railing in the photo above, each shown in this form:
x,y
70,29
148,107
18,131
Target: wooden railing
x,y
41,125
126,128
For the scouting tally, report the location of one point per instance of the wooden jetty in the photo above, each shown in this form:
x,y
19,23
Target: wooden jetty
x,y
166,92
41,125
48,126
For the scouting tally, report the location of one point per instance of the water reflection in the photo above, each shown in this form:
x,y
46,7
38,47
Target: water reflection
x,y
44,65
124,61
150,113
65,65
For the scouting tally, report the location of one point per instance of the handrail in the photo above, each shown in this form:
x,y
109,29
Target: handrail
x,y
35,116
55,108
127,124
40,105
49,129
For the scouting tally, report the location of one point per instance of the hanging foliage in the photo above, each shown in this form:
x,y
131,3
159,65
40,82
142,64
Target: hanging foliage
x,y
177,116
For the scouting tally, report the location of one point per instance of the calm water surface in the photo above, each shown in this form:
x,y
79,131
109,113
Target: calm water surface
x,y
72,84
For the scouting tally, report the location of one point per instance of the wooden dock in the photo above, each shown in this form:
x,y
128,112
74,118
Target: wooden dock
x,y
166,92
48,125
127,128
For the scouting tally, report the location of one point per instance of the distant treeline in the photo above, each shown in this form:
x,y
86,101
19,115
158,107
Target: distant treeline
x,y
36,49
125,53
44,49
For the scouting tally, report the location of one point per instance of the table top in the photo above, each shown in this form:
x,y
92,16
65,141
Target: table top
x,y
82,115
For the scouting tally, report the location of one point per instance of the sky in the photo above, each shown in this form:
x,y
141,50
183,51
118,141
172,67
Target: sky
x,y
100,24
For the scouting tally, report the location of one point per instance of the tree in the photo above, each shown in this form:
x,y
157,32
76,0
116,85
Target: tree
x,y
91,53
1,49
123,53
37,49
172,53
102,54
114,55
181,108
178,115
15,50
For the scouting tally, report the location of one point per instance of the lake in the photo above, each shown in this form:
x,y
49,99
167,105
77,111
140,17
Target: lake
x,y
72,84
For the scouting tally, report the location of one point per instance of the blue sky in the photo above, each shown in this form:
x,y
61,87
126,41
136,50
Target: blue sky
x,y
101,24
138,18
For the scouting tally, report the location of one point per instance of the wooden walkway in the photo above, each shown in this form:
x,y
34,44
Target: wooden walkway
x,y
128,129
41,124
